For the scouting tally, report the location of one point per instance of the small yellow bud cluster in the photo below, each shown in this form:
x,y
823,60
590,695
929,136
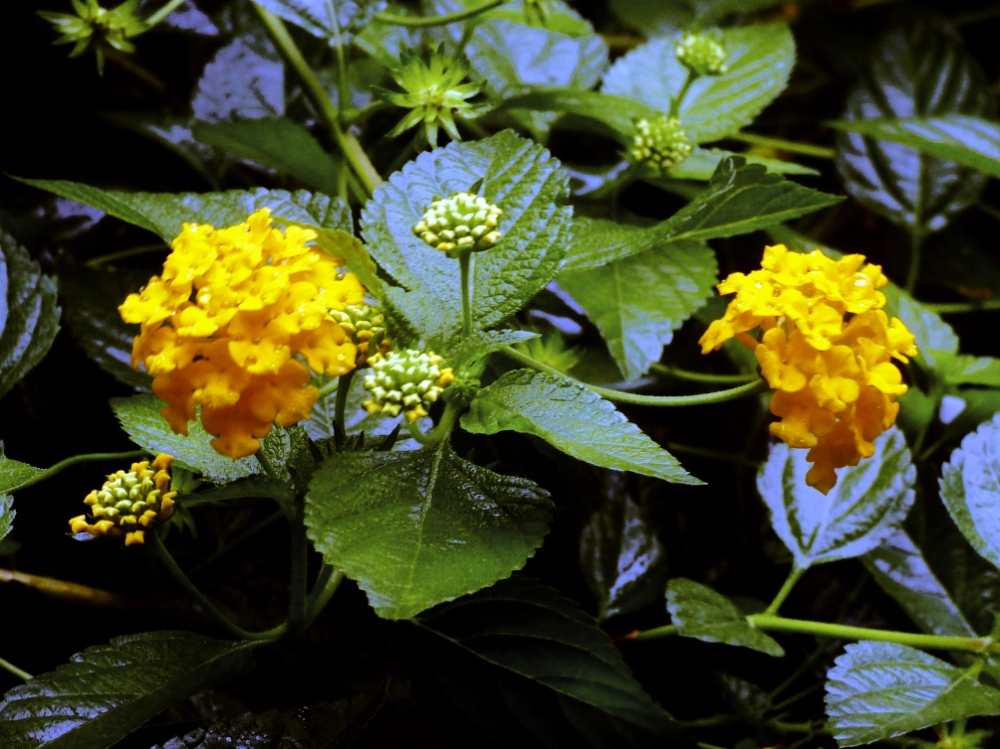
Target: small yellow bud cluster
x,y
461,222
365,327
702,53
407,381
661,143
129,503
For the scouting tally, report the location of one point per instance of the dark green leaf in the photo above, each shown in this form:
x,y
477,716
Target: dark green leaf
x,y
14,474
970,488
92,296
877,690
29,316
446,526
699,612
486,342
527,666
583,425
637,303
918,71
276,142
703,162
521,178
620,555
867,505
107,691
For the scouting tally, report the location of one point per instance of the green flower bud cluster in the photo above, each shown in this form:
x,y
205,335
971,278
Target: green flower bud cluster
x,y
463,390
365,326
461,222
96,26
661,143
407,381
702,53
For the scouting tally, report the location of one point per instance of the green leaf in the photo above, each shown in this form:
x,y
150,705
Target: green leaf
x,y
140,417
107,691
244,80
637,303
526,665
965,369
918,70
92,296
760,60
583,425
970,141
616,112
276,142
622,559
446,526
486,342
877,690
319,426
517,175
29,316
7,514
699,612
165,213
15,474
703,162
867,505
970,489
326,19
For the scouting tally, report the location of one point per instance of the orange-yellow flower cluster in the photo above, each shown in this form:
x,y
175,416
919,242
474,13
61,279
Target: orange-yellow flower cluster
x,y
221,327
826,348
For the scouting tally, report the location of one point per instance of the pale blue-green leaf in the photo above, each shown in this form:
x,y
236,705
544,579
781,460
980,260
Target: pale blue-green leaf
x,y
877,690
868,503
573,419
7,514
326,19
244,80
699,612
356,418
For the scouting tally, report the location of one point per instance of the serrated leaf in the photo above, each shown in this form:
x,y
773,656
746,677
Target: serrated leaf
x,y
868,504
165,213
14,474
277,142
29,315
140,417
638,302
319,425
970,489
446,526
760,59
525,665
92,296
327,19
518,176
877,690
107,691
7,514
699,612
486,342
918,71
243,81
584,425
617,113
703,162
622,559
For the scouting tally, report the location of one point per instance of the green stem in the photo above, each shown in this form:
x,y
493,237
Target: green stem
x,y
791,146
916,245
326,585
300,555
715,379
793,577
465,260
440,432
339,426
347,143
63,464
19,673
130,252
155,545
952,308
668,630
126,63
163,12
675,103
398,20
719,396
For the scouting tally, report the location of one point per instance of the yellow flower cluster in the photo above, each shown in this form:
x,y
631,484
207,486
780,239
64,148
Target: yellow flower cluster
x,y
221,327
130,503
826,348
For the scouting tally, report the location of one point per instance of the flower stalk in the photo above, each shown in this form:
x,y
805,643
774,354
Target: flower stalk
x,y
394,19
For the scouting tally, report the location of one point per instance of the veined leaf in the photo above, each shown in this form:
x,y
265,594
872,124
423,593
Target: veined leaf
x,y
243,81
703,162
584,425
326,19
7,514
699,612
638,302
965,369
14,474
446,526
518,176
616,112
877,690
525,664
276,142
866,506
107,691
970,489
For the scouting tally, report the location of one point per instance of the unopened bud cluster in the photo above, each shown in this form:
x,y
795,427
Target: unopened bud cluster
x,y
365,326
462,222
661,143
406,381
702,53
130,502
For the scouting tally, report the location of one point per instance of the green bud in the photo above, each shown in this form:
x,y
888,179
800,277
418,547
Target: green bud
x,y
365,325
701,53
97,27
407,381
463,222
661,143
